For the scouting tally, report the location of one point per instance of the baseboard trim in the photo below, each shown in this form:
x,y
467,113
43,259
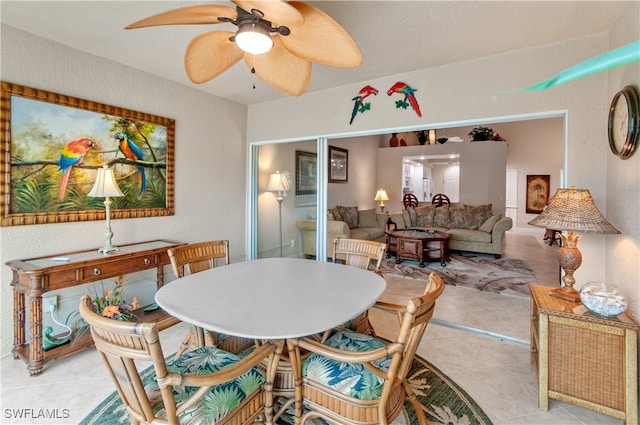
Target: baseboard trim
x,y
483,332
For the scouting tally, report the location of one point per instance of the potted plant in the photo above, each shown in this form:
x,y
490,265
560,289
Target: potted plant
x,y
484,133
481,133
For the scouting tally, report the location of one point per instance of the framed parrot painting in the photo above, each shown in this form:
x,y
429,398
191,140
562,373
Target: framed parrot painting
x,y
52,146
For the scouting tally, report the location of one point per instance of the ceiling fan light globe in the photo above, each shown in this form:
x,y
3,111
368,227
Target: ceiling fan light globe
x,y
253,39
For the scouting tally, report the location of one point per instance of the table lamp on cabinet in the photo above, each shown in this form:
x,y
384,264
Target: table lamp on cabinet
x,y
572,210
107,188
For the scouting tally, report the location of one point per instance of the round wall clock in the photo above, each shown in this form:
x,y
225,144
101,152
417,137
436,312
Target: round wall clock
x,y
624,122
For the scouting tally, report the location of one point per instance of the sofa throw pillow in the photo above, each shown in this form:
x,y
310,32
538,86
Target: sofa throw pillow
x,y
349,215
412,217
475,215
487,226
456,217
335,211
367,218
424,216
407,218
441,217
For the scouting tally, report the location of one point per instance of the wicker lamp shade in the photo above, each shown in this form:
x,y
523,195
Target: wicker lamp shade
x,y
572,209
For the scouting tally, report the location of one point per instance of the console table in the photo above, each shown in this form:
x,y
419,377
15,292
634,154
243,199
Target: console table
x,y
583,358
35,276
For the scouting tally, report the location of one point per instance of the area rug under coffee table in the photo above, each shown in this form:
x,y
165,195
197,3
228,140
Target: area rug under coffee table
x,y
443,402
502,275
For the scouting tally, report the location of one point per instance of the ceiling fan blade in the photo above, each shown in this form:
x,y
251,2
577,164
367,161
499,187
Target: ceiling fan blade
x,y
321,39
209,55
280,69
202,14
276,11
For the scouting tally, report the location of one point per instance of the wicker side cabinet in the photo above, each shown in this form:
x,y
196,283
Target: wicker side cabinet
x,y
582,358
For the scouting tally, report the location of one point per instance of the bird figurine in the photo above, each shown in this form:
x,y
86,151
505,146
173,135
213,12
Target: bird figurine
x,y
72,154
359,104
409,97
132,151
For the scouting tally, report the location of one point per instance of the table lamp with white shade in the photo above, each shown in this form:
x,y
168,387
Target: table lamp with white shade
x,y
107,188
572,210
381,196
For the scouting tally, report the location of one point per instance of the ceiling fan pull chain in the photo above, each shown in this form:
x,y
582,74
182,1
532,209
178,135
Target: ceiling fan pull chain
x,y
253,71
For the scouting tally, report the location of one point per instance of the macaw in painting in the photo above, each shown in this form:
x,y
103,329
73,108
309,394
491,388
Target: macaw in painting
x,y
359,104
132,151
409,97
72,154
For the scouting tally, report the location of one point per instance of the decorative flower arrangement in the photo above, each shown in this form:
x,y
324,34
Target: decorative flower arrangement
x,y
114,305
109,303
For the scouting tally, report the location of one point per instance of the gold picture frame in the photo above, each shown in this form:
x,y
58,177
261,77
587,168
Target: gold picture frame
x,y
39,128
537,193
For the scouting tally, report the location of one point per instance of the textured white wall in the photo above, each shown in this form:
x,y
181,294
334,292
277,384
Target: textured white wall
x,y
472,91
623,182
210,157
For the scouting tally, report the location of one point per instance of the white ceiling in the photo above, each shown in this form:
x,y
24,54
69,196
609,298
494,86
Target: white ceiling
x,y
394,36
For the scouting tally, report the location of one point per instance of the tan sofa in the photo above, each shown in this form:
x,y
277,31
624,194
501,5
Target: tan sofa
x,y
371,226
473,228
470,228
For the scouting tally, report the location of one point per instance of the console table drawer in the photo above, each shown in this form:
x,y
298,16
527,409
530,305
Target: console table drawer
x,y
114,269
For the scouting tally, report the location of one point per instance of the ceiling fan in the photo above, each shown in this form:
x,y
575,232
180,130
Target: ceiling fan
x,y
278,40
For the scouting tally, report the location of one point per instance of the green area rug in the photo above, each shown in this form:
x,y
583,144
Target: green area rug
x,y
443,402
485,273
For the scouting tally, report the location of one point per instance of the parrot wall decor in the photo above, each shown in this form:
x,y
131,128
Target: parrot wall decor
x,y
130,150
409,97
72,154
359,104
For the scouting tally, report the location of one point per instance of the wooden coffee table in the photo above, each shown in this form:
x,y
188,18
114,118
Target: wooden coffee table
x,y
419,245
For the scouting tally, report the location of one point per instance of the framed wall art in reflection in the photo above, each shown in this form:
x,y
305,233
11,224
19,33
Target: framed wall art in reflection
x,y
338,165
306,178
53,144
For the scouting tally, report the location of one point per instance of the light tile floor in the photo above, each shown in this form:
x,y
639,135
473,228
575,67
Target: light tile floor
x,y
496,373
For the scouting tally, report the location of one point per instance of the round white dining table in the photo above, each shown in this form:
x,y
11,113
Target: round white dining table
x,y
274,298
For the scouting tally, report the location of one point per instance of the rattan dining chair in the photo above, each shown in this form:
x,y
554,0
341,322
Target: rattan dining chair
x,y
193,388
359,253
354,378
194,258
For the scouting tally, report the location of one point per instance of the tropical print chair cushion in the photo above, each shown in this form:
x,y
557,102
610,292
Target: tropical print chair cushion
x,y
220,400
351,379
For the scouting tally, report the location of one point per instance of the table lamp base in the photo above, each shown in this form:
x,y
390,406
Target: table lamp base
x,y
573,296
